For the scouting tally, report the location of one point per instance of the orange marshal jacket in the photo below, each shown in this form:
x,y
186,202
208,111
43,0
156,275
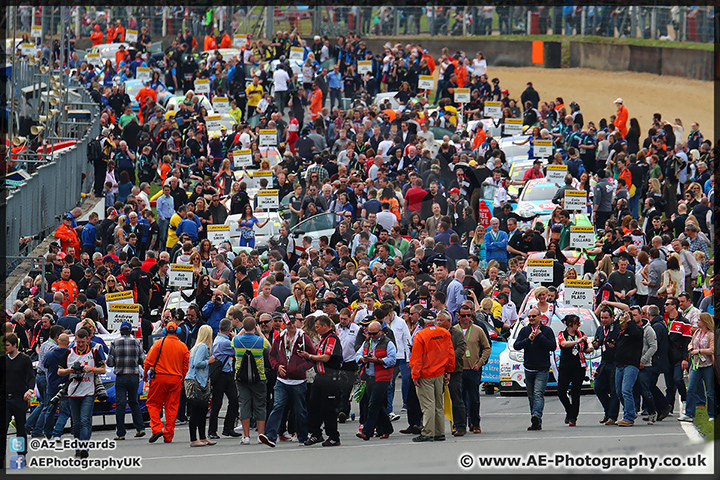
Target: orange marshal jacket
x,y
432,353
174,359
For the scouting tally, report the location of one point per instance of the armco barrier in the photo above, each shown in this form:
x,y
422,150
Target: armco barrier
x,y
600,56
697,64
645,59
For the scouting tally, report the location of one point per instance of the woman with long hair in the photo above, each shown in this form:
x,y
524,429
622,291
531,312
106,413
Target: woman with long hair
x,y
199,370
625,225
124,186
202,212
416,225
672,278
388,195
701,385
198,269
309,304
224,178
479,65
477,243
112,285
633,136
606,265
531,140
119,234
202,293
397,292
641,274
571,371
295,301
204,248
246,224
107,74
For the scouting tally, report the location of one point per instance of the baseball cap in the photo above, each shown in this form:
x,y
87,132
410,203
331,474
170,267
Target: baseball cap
x,y
455,190
505,91
537,160
171,327
126,326
276,315
61,255
67,216
223,127
108,258
371,295
368,320
618,100
428,315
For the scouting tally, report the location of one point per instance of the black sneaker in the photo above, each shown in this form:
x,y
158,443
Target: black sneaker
x,y
264,439
439,438
342,416
663,413
155,436
535,421
84,454
313,440
231,433
331,443
423,438
213,436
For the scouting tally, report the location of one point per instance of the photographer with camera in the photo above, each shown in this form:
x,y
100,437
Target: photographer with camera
x,y
82,363
215,310
56,389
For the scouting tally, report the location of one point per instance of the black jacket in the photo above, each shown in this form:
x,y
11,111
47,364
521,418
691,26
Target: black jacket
x,y
629,345
661,359
537,352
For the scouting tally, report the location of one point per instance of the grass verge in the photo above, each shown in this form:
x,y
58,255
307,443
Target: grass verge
x,y
706,427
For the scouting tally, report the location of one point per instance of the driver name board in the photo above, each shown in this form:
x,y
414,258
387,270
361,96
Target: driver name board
x,y
181,275
426,82
268,199
579,293
239,40
131,36
28,49
575,200
582,237
242,158
542,148
268,138
125,297
221,105
540,270
556,173
213,123
119,313
218,234
142,73
494,110
364,66
512,126
462,95
297,54
36,31
202,86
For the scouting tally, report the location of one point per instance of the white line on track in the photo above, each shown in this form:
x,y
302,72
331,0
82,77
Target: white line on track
x,y
692,433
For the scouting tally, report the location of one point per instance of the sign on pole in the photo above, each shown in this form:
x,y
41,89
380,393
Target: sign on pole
x,y
119,313
221,105
297,54
556,174
542,148
426,82
540,270
494,110
202,86
579,293
131,36
239,40
462,95
125,297
268,199
512,126
242,158
36,31
142,73
364,66
268,138
213,123
575,200
218,234
181,275
582,237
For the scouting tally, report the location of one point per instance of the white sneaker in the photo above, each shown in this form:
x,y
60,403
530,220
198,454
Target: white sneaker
x,y
238,429
684,418
393,416
245,441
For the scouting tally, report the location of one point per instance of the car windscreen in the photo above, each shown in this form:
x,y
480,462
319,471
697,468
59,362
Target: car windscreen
x,y
539,193
324,221
519,171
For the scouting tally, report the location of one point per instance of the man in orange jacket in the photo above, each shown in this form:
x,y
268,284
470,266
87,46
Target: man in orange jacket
x,y
68,236
432,356
315,102
169,360
119,31
621,117
96,36
110,33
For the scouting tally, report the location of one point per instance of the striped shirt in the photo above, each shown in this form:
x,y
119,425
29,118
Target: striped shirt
x,y
257,345
44,349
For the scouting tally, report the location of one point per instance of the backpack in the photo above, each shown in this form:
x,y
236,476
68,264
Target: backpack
x,y
94,150
575,167
248,372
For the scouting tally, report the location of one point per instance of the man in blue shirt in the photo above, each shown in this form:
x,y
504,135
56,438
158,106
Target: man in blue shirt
x,y
89,235
223,383
496,242
335,83
165,209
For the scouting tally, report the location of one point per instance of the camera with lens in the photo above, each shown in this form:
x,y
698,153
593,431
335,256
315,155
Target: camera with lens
x,y
77,373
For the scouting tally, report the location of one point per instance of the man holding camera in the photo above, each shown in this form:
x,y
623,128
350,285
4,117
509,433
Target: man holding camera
x,y
82,363
215,310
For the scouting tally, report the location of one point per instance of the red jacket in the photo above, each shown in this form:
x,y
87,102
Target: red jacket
x,y
297,366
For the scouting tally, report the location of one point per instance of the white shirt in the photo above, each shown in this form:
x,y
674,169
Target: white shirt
x,y
383,148
347,336
145,198
280,79
386,219
245,140
403,339
509,314
479,67
262,105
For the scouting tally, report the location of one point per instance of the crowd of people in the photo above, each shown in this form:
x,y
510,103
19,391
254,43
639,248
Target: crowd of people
x,y
411,283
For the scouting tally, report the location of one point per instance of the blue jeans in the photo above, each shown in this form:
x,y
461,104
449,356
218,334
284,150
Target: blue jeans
x,y
36,420
55,427
625,377
471,395
126,392
335,96
535,383
605,391
642,388
81,409
677,384
283,394
163,225
402,367
634,205
377,415
701,384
